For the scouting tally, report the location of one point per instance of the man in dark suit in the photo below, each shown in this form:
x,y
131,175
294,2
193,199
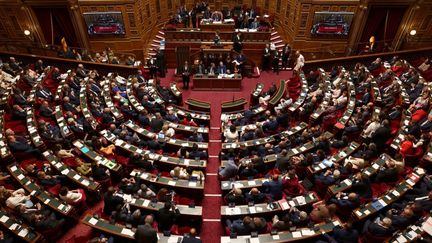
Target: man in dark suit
x,y
275,62
286,53
111,201
273,188
45,110
283,161
18,112
186,72
381,135
146,233
379,228
156,123
200,68
266,57
362,185
343,235
191,238
44,93
389,174
167,216
241,227
81,71
238,46
222,68
152,64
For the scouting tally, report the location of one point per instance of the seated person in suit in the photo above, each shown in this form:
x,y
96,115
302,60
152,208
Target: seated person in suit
x,y
222,68
321,213
167,216
362,185
16,198
401,220
20,146
273,188
18,113
145,192
111,201
191,237
343,234
328,177
129,186
241,226
235,196
255,196
346,201
44,93
230,170
146,233
379,228
40,218
387,173
46,111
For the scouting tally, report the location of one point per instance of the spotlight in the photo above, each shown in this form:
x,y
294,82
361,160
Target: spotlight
x,y
27,32
413,32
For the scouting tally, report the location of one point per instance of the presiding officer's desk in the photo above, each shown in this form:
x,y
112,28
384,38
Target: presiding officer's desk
x,y
206,82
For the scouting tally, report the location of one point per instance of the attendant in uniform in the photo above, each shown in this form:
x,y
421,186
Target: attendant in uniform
x,y
266,58
275,63
238,42
286,53
300,61
153,67
186,70
240,60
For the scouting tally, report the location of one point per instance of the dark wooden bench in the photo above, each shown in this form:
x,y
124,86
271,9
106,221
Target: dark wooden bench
x,y
278,95
235,105
198,105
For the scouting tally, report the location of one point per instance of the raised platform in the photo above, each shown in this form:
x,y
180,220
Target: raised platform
x,y
217,83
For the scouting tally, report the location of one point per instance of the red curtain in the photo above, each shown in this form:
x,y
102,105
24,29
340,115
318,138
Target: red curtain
x,y
376,24
61,25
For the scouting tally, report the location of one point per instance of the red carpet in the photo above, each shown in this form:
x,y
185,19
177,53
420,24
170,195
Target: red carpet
x,y
212,228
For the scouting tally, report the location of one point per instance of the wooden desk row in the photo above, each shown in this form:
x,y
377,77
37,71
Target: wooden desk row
x,y
369,171
271,158
174,161
5,97
5,152
175,126
84,107
23,232
390,196
147,204
64,128
301,234
172,141
264,208
337,158
327,97
403,129
262,141
70,173
121,230
342,121
32,129
34,190
233,116
204,116
96,157
208,83
106,92
167,181
412,231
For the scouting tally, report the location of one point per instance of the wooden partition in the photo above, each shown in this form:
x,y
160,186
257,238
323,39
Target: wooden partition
x,y
66,64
